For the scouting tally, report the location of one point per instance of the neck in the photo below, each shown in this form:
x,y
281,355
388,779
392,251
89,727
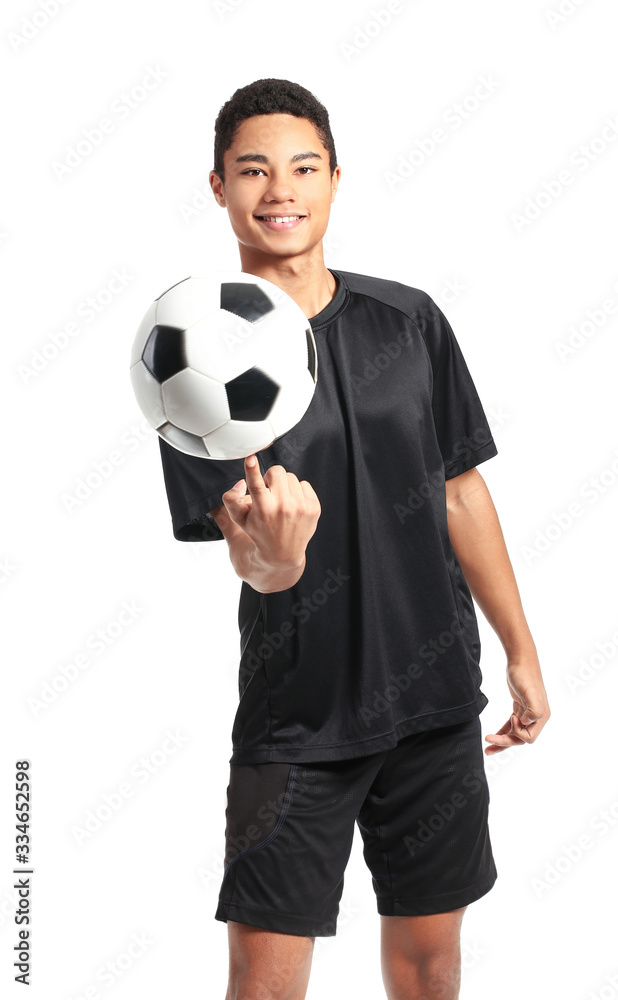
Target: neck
x,y
306,280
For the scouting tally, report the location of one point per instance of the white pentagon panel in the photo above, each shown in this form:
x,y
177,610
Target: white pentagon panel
x,y
291,403
148,394
194,402
142,334
239,438
187,302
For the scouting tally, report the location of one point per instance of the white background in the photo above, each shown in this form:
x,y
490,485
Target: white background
x,y
535,262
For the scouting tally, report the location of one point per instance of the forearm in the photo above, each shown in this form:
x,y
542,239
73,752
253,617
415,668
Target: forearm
x,y
478,542
257,572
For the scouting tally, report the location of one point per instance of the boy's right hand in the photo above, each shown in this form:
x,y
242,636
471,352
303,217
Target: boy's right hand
x,y
279,514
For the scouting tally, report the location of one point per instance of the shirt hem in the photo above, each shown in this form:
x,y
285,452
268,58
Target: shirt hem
x,y
265,753
470,459
188,522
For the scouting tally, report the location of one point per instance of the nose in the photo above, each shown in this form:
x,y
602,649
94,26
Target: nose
x,y
280,189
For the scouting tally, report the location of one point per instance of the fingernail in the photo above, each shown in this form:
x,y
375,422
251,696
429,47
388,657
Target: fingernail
x,y
239,485
251,461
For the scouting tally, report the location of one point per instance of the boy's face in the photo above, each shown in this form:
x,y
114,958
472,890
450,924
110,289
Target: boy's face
x,y
277,187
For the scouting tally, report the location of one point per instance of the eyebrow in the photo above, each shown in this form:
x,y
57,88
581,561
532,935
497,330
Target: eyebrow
x,y
260,158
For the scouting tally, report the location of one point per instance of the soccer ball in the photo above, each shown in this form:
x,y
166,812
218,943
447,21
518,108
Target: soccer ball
x,y
224,364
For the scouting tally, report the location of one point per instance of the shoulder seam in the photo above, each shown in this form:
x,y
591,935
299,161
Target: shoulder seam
x,y
389,305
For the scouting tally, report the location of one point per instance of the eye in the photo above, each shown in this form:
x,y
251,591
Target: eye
x,y
253,169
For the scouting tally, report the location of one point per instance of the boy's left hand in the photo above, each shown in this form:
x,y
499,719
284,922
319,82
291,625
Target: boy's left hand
x,y
530,706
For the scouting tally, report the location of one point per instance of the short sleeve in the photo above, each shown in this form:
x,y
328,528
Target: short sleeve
x,y
194,486
462,429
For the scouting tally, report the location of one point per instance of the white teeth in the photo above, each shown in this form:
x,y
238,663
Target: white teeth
x,y
286,218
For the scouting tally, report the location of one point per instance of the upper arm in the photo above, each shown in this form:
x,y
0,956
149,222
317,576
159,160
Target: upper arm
x,y
460,486
462,430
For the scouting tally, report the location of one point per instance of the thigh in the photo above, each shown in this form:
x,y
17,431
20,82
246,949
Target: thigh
x,y
289,832
424,823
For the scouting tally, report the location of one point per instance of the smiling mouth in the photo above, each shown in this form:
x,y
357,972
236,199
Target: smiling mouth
x,y
280,222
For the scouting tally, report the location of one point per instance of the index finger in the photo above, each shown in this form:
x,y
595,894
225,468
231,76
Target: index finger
x,y
255,482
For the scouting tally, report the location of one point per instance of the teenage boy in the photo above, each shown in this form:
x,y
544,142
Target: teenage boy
x,y
362,537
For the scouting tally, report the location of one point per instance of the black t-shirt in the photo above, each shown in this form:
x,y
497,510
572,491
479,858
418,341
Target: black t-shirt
x,y
378,639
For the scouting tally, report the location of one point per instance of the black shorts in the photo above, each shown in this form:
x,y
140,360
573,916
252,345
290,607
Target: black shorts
x,y
422,810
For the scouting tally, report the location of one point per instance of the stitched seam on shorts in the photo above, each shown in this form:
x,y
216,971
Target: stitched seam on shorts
x,y
382,851
385,853
453,892
260,909
282,815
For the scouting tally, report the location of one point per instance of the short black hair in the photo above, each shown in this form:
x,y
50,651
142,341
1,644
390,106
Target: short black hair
x,y
270,97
